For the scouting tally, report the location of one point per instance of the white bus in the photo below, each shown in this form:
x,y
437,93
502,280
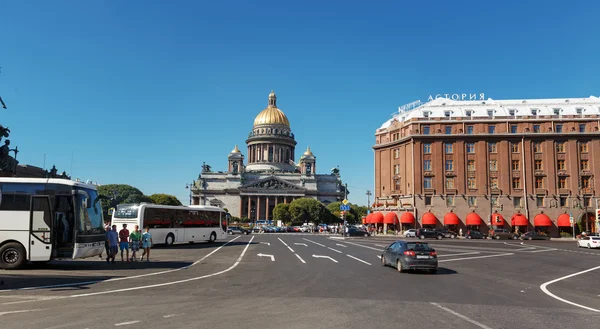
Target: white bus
x,y
43,219
174,224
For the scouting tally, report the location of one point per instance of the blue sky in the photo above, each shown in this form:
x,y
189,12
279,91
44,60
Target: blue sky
x,y
142,92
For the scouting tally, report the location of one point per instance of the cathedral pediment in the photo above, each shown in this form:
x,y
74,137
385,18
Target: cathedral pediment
x,y
272,183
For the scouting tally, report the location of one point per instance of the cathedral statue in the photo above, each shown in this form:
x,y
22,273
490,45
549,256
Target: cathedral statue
x,y
235,167
7,163
4,132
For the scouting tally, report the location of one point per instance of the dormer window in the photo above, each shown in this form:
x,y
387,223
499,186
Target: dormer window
x,y
490,113
447,114
556,111
426,114
534,112
579,110
511,113
469,113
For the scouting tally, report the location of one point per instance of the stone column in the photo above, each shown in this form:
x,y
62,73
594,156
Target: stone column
x,y
241,205
276,200
267,208
249,205
257,207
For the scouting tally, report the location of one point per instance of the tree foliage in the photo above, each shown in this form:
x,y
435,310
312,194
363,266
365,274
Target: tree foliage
x,y
282,212
118,194
354,216
309,210
165,199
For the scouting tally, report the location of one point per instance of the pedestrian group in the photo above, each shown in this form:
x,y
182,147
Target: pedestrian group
x,y
124,240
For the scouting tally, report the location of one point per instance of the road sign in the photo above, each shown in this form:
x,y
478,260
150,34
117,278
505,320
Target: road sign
x,y
345,202
344,208
571,220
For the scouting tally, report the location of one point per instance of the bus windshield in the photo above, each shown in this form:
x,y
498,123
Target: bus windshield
x,y
89,212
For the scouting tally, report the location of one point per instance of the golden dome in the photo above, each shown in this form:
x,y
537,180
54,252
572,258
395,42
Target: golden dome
x,y
308,152
272,115
236,149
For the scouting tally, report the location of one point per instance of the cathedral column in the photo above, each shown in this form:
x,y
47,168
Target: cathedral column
x,y
257,207
267,208
241,205
276,200
249,205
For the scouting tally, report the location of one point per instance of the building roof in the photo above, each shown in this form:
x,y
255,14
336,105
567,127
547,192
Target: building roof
x,y
271,115
490,108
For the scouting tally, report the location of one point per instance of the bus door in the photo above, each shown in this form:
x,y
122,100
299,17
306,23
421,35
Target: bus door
x,y
40,228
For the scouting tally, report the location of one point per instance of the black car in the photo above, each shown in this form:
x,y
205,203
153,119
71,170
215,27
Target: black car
x,y
355,231
429,233
472,234
238,230
447,233
408,255
532,235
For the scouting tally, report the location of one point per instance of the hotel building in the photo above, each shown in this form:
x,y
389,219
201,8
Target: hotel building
x,y
515,164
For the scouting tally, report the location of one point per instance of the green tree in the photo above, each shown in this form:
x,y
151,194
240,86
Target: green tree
x,y
309,210
118,194
165,199
282,212
354,216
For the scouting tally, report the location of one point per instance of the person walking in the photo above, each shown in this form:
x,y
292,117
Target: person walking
x,y
146,244
124,242
112,237
135,239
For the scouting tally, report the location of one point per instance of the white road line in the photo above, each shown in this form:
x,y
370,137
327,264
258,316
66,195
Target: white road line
x,y
20,311
321,256
126,323
461,254
339,252
172,315
476,257
300,258
74,284
341,245
464,317
292,250
322,245
543,250
265,255
379,256
301,244
360,245
358,259
267,243
544,288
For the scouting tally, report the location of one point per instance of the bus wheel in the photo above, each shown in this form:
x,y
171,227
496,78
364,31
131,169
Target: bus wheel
x,y
12,256
213,237
169,240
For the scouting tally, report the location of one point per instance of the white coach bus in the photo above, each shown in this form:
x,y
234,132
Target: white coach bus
x,y
43,219
174,224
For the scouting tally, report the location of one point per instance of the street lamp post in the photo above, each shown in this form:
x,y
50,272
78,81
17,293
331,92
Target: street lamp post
x,y
190,186
369,201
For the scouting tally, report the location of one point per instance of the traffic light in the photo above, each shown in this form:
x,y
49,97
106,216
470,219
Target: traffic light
x,y
342,213
597,215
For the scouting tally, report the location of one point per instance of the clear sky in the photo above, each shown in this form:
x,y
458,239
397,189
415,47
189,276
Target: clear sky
x,y
142,92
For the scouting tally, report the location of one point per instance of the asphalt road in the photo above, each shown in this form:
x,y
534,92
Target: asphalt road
x,y
312,281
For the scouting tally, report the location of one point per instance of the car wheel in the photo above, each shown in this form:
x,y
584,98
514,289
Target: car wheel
x,y
422,237
453,236
12,256
213,237
589,247
530,238
399,266
497,237
246,232
515,237
439,237
366,235
434,271
169,240
468,237
382,260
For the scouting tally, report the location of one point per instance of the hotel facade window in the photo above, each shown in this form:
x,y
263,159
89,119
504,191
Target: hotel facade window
x,y
427,165
449,148
492,148
426,130
560,147
514,147
491,129
472,201
471,165
513,129
427,148
448,130
515,164
427,182
471,183
537,147
471,148
582,128
469,130
493,165
559,128
449,165
583,147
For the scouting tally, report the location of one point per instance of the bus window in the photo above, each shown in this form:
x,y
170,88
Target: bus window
x,y
15,202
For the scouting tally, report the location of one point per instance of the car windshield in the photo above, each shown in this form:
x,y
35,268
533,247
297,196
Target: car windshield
x,y
89,212
418,246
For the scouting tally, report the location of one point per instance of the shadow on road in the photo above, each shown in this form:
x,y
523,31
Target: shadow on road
x,y
102,265
440,271
23,281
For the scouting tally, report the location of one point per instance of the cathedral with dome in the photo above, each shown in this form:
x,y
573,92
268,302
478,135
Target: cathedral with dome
x,y
268,175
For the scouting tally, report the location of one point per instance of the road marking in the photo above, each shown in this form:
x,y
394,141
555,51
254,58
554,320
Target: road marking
x,y
341,245
265,255
321,256
543,250
360,245
464,317
358,259
126,323
379,256
292,250
172,315
461,254
74,284
544,288
267,243
379,245
476,257
339,252
300,244
20,311
300,258
322,245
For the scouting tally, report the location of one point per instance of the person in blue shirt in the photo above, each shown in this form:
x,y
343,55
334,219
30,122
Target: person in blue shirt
x,y
146,243
112,237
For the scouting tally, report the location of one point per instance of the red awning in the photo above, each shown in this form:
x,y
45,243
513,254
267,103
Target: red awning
x,y
368,220
497,219
519,220
428,219
390,218
451,219
377,218
542,220
407,218
563,220
473,219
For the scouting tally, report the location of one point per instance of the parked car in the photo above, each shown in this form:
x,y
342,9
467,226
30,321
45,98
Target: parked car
x,y
589,242
501,233
238,230
412,233
429,233
532,235
447,233
409,255
473,234
355,231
